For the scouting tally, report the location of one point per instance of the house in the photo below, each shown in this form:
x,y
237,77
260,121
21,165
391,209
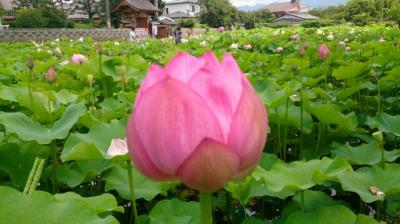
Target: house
x,y
295,18
281,8
67,6
179,9
136,13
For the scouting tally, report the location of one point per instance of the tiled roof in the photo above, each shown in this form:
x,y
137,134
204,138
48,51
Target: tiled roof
x,y
296,17
138,4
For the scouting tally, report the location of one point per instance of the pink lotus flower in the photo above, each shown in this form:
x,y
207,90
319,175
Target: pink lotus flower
x,y
323,51
221,29
117,147
78,59
279,49
197,120
295,37
247,46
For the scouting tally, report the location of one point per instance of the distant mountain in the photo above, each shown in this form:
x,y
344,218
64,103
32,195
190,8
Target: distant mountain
x,y
312,3
250,8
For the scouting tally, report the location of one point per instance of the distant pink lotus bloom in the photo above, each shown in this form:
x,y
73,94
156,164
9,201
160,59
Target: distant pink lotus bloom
x,y
323,51
78,59
279,49
381,40
197,120
117,147
221,29
247,46
295,37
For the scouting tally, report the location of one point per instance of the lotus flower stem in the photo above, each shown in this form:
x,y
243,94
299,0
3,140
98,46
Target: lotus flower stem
x,y
133,196
31,175
279,135
205,208
54,166
37,175
319,136
29,86
301,121
285,129
105,88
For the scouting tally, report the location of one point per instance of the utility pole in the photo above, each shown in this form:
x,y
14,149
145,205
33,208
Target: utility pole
x,y
108,17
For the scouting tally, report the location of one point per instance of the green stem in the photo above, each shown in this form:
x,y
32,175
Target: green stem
x,y
285,130
279,135
303,207
54,166
301,121
379,96
105,88
205,208
319,137
36,178
31,175
133,196
29,86
50,111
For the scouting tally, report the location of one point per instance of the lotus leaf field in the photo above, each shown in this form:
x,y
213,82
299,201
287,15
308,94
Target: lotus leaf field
x,y
331,156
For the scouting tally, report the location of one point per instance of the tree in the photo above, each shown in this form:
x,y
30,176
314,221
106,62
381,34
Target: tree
x,y
107,11
217,13
88,7
40,18
33,3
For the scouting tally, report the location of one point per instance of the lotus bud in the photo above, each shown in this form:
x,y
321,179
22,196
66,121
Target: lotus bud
x,y
302,51
100,50
51,75
378,136
323,51
90,79
197,120
57,52
30,63
221,29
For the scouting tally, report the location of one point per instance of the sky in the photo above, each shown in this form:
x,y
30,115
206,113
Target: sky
x,y
238,3
310,2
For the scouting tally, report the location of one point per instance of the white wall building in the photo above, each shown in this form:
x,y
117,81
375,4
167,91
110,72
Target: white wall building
x,y
189,7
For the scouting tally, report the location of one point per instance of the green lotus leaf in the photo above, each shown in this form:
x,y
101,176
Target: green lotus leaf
x,y
175,211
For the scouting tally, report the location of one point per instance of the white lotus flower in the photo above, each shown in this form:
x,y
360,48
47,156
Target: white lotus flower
x,y
330,37
234,46
66,62
117,147
279,49
80,39
203,43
